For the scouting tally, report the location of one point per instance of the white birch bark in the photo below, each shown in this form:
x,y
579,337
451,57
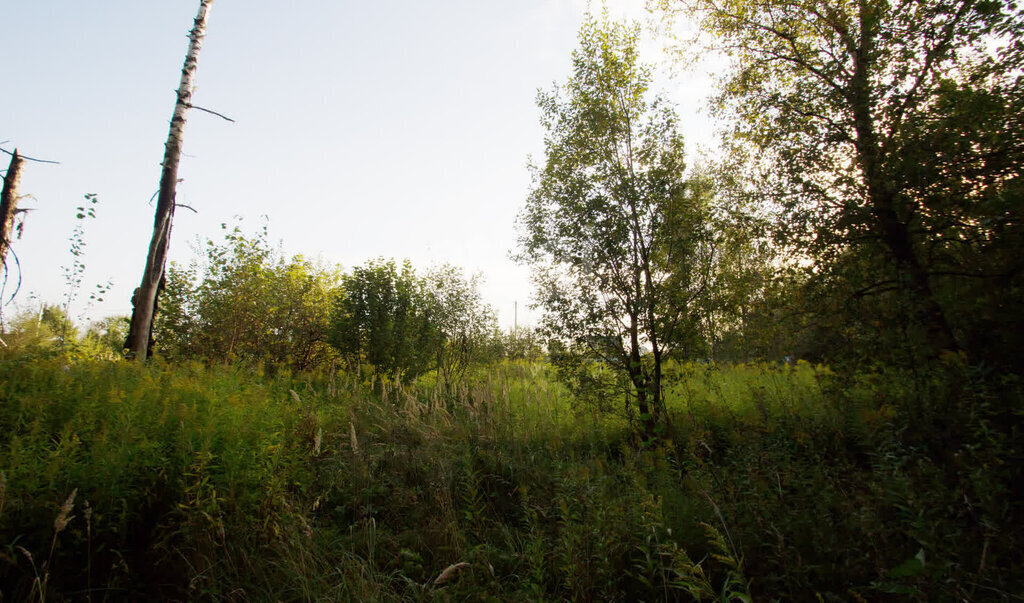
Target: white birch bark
x,y
144,300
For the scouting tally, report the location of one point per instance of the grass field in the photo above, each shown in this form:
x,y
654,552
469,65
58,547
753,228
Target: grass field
x,y
122,481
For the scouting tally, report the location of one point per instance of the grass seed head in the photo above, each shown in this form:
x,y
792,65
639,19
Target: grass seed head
x,y
449,573
65,517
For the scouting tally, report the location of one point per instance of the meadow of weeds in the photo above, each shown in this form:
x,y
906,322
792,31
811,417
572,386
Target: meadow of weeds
x,y
122,481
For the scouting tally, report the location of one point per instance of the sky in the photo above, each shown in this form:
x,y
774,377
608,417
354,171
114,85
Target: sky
x,y
362,130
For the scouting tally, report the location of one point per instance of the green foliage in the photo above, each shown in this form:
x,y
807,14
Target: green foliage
x,y
108,335
466,323
746,281
404,325
73,274
382,318
29,330
50,333
247,303
615,238
521,343
62,327
889,136
54,320
448,461
160,464
775,482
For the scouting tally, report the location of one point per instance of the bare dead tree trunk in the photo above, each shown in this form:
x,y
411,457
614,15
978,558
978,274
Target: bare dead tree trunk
x,y
144,301
8,209
9,203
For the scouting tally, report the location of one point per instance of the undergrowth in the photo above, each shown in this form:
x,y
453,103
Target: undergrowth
x,y
120,481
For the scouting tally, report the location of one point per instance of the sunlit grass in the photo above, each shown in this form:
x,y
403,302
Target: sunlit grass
x,y
221,482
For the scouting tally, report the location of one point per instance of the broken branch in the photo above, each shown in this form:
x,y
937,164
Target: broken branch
x,y
198,108
27,158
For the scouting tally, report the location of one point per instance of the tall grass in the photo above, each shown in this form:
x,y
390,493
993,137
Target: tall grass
x,y
196,482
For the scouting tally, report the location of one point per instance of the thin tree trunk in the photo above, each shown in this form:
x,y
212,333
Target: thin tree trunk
x,y
639,379
144,301
9,204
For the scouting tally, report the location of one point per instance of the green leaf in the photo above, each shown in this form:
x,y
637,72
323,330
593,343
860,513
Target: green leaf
x,y
909,568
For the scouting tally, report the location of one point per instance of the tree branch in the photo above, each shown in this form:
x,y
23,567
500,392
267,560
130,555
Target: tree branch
x,y
17,263
27,158
945,39
198,108
875,289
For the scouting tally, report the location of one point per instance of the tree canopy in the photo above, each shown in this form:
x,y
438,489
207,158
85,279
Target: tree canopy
x,y
246,302
610,229
889,133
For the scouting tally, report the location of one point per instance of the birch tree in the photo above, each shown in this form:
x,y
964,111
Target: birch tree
x,y
610,228
144,301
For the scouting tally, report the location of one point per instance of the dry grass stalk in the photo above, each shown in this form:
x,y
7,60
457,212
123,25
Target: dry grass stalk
x,y
332,389
352,435
38,584
295,396
450,573
87,512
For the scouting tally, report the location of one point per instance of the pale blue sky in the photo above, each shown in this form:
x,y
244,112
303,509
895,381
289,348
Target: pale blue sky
x,y
364,129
